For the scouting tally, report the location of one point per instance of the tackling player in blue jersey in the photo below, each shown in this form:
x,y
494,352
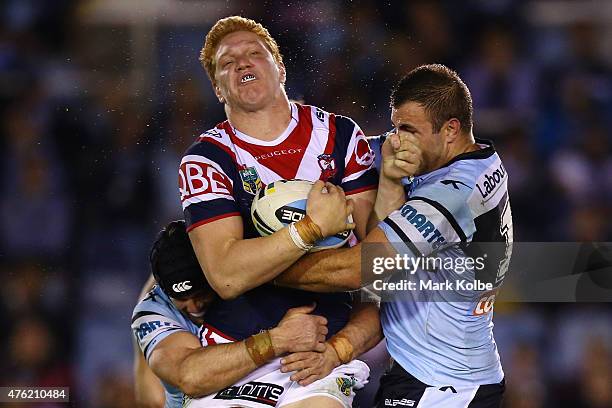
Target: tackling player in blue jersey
x,y
441,341
166,324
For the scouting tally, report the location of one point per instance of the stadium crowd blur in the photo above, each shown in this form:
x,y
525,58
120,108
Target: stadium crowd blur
x,y
98,100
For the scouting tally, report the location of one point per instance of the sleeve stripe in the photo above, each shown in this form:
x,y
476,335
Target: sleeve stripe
x,y
151,342
403,236
142,314
207,220
449,217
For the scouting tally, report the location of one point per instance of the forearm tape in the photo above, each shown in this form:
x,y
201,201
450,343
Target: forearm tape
x,y
343,348
308,230
260,348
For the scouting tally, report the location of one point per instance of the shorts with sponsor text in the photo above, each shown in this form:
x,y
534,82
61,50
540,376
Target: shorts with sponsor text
x,y
401,390
268,387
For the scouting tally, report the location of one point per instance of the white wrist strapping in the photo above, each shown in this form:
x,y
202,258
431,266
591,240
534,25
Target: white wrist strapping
x,y
297,239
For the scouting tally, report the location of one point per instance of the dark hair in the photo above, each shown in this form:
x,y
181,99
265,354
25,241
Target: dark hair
x,y
174,263
440,91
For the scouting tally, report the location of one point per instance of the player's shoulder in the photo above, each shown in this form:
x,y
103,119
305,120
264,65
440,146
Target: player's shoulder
x,y
322,118
155,302
216,139
213,148
463,175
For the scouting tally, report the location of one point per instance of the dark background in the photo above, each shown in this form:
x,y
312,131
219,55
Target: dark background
x,y
98,100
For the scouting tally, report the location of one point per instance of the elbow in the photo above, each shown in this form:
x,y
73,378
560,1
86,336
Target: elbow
x,y
227,292
226,288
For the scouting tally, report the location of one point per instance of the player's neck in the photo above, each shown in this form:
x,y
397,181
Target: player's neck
x,y
463,145
264,124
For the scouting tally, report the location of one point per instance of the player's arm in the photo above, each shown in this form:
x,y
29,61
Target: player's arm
x,y
401,157
336,270
180,359
362,332
233,265
363,203
148,390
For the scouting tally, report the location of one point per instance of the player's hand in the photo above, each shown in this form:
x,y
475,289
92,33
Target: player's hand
x,y
310,366
299,331
328,207
402,156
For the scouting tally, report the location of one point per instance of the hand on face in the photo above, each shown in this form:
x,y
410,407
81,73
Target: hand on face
x,y
402,156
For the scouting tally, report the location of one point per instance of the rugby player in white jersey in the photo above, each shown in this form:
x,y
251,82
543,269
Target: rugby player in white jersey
x,y
441,341
265,139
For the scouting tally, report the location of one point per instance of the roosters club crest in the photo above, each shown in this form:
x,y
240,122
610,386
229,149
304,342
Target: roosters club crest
x,y
327,164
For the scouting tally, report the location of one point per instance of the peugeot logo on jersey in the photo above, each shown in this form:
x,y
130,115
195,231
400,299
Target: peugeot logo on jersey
x,y
182,286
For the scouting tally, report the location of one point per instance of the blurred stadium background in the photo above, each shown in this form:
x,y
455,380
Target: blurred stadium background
x,y
98,100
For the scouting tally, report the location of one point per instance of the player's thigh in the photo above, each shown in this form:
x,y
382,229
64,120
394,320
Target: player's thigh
x,y
318,401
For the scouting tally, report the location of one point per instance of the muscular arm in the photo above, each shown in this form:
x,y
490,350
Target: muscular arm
x,y
363,204
337,269
230,262
363,329
180,360
148,390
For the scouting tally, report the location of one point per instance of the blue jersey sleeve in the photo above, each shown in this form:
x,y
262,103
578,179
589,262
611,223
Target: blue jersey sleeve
x,y
154,319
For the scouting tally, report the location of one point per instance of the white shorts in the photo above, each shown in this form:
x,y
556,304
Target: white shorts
x,y
268,387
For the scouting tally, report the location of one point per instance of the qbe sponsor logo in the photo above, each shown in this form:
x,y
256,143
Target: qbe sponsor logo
x,y
196,178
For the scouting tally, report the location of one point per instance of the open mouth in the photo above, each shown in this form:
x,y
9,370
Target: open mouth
x,y
247,78
197,315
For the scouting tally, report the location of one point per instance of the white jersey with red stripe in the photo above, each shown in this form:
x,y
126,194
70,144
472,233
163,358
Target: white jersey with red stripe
x,y
221,172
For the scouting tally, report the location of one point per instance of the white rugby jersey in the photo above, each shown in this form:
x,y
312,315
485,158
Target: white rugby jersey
x,y
445,337
220,174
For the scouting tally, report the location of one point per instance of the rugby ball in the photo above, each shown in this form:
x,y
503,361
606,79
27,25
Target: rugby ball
x,y
284,201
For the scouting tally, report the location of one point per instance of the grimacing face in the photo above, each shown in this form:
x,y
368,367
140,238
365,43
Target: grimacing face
x,y
247,76
410,117
195,307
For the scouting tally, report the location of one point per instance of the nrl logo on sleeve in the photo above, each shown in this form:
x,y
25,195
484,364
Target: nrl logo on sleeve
x,y
250,180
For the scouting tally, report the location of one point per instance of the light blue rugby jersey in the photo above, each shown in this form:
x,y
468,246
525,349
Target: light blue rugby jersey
x,y
446,337
155,318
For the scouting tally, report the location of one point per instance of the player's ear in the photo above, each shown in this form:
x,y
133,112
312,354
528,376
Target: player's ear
x,y
283,73
219,95
451,129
